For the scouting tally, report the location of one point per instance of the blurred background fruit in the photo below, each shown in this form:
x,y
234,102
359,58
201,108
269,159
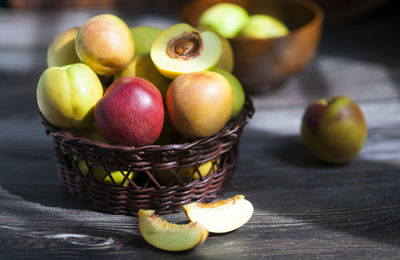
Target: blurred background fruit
x,y
264,64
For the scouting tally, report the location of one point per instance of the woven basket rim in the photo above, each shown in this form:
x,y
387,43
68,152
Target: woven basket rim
x,y
239,121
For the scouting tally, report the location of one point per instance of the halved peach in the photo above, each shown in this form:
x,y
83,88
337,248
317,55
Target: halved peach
x,y
221,216
169,236
182,49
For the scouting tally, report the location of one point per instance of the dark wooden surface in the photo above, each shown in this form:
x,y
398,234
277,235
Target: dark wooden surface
x,y
303,209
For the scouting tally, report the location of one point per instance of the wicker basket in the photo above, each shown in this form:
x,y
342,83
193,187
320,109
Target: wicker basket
x,y
138,170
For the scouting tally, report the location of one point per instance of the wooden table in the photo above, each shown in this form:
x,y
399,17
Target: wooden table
x,y
303,209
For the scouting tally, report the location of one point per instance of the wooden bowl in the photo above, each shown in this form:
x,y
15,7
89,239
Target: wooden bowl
x,y
263,64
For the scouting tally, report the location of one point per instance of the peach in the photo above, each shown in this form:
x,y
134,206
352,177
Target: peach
x,y
168,236
226,61
61,50
143,67
144,37
225,18
105,44
131,112
199,104
263,26
221,216
334,129
239,96
182,49
67,95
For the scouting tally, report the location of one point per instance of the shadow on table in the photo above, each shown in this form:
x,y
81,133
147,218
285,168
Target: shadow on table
x,y
373,38
361,198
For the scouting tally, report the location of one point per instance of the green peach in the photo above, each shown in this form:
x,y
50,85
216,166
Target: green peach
x,y
238,91
61,50
67,95
225,18
144,37
263,26
142,66
334,129
105,44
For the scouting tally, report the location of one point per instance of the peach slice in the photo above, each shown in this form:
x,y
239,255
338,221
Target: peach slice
x,y
168,236
221,216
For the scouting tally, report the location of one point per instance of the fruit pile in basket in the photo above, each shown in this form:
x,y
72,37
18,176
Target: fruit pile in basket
x,y
139,86
134,87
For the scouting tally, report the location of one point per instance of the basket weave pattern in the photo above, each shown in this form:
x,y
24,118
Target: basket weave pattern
x,y
122,179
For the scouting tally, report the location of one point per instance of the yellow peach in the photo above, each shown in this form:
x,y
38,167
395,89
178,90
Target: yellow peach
x,y
105,44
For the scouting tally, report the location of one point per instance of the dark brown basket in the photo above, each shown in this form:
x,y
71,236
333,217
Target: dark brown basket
x,y
88,169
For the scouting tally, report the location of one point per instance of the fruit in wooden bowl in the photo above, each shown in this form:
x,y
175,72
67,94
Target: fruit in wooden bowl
x,y
221,216
168,236
225,18
263,64
334,129
182,49
199,104
105,44
67,95
131,112
263,27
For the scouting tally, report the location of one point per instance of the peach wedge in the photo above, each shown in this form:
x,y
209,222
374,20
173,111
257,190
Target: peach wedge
x,y
222,216
168,236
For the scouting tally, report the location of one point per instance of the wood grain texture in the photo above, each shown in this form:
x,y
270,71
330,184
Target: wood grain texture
x,y
303,209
